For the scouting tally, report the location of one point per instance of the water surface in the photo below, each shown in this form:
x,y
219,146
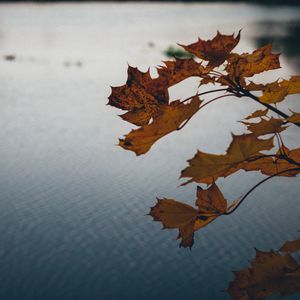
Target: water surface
x,y
73,205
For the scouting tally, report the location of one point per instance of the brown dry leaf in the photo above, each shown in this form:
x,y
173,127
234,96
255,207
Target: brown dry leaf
x,y
292,85
270,274
273,93
211,204
206,167
137,116
276,91
291,246
142,92
173,214
168,118
294,118
257,114
254,86
263,127
247,65
137,93
272,165
176,71
214,51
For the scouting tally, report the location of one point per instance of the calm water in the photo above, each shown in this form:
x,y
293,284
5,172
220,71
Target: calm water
x,y
73,205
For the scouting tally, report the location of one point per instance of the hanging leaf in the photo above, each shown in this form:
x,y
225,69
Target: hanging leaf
x,y
174,214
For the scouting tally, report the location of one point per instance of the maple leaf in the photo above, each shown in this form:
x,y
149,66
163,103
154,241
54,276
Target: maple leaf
x,y
142,92
177,70
294,118
277,164
174,214
263,127
206,167
247,65
270,273
138,116
214,51
257,114
147,98
275,92
291,246
168,118
138,92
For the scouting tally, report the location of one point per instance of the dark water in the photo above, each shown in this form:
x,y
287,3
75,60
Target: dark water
x,y
73,205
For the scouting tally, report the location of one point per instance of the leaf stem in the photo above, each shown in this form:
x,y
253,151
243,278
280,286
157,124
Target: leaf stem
x,y
204,93
256,186
210,101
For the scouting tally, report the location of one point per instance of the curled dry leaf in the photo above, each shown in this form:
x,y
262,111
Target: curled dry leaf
x,y
187,219
270,273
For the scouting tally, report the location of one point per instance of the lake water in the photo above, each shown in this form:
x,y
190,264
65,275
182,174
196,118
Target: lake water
x,y
73,204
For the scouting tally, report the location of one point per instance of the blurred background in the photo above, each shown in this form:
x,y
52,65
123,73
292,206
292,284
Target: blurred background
x,y
73,221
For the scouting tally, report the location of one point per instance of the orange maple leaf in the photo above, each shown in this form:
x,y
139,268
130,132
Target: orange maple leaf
x,y
290,246
263,127
247,65
206,167
270,273
174,214
214,51
168,118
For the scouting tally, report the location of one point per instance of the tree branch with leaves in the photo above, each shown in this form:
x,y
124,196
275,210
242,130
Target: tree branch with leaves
x,y
148,106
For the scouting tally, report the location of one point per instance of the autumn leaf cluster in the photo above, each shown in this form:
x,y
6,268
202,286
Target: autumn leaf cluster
x,y
270,273
148,106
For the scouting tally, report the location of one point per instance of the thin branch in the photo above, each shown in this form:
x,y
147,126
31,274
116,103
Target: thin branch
x,y
215,73
281,140
290,160
262,156
269,106
278,142
257,185
210,101
217,98
204,93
